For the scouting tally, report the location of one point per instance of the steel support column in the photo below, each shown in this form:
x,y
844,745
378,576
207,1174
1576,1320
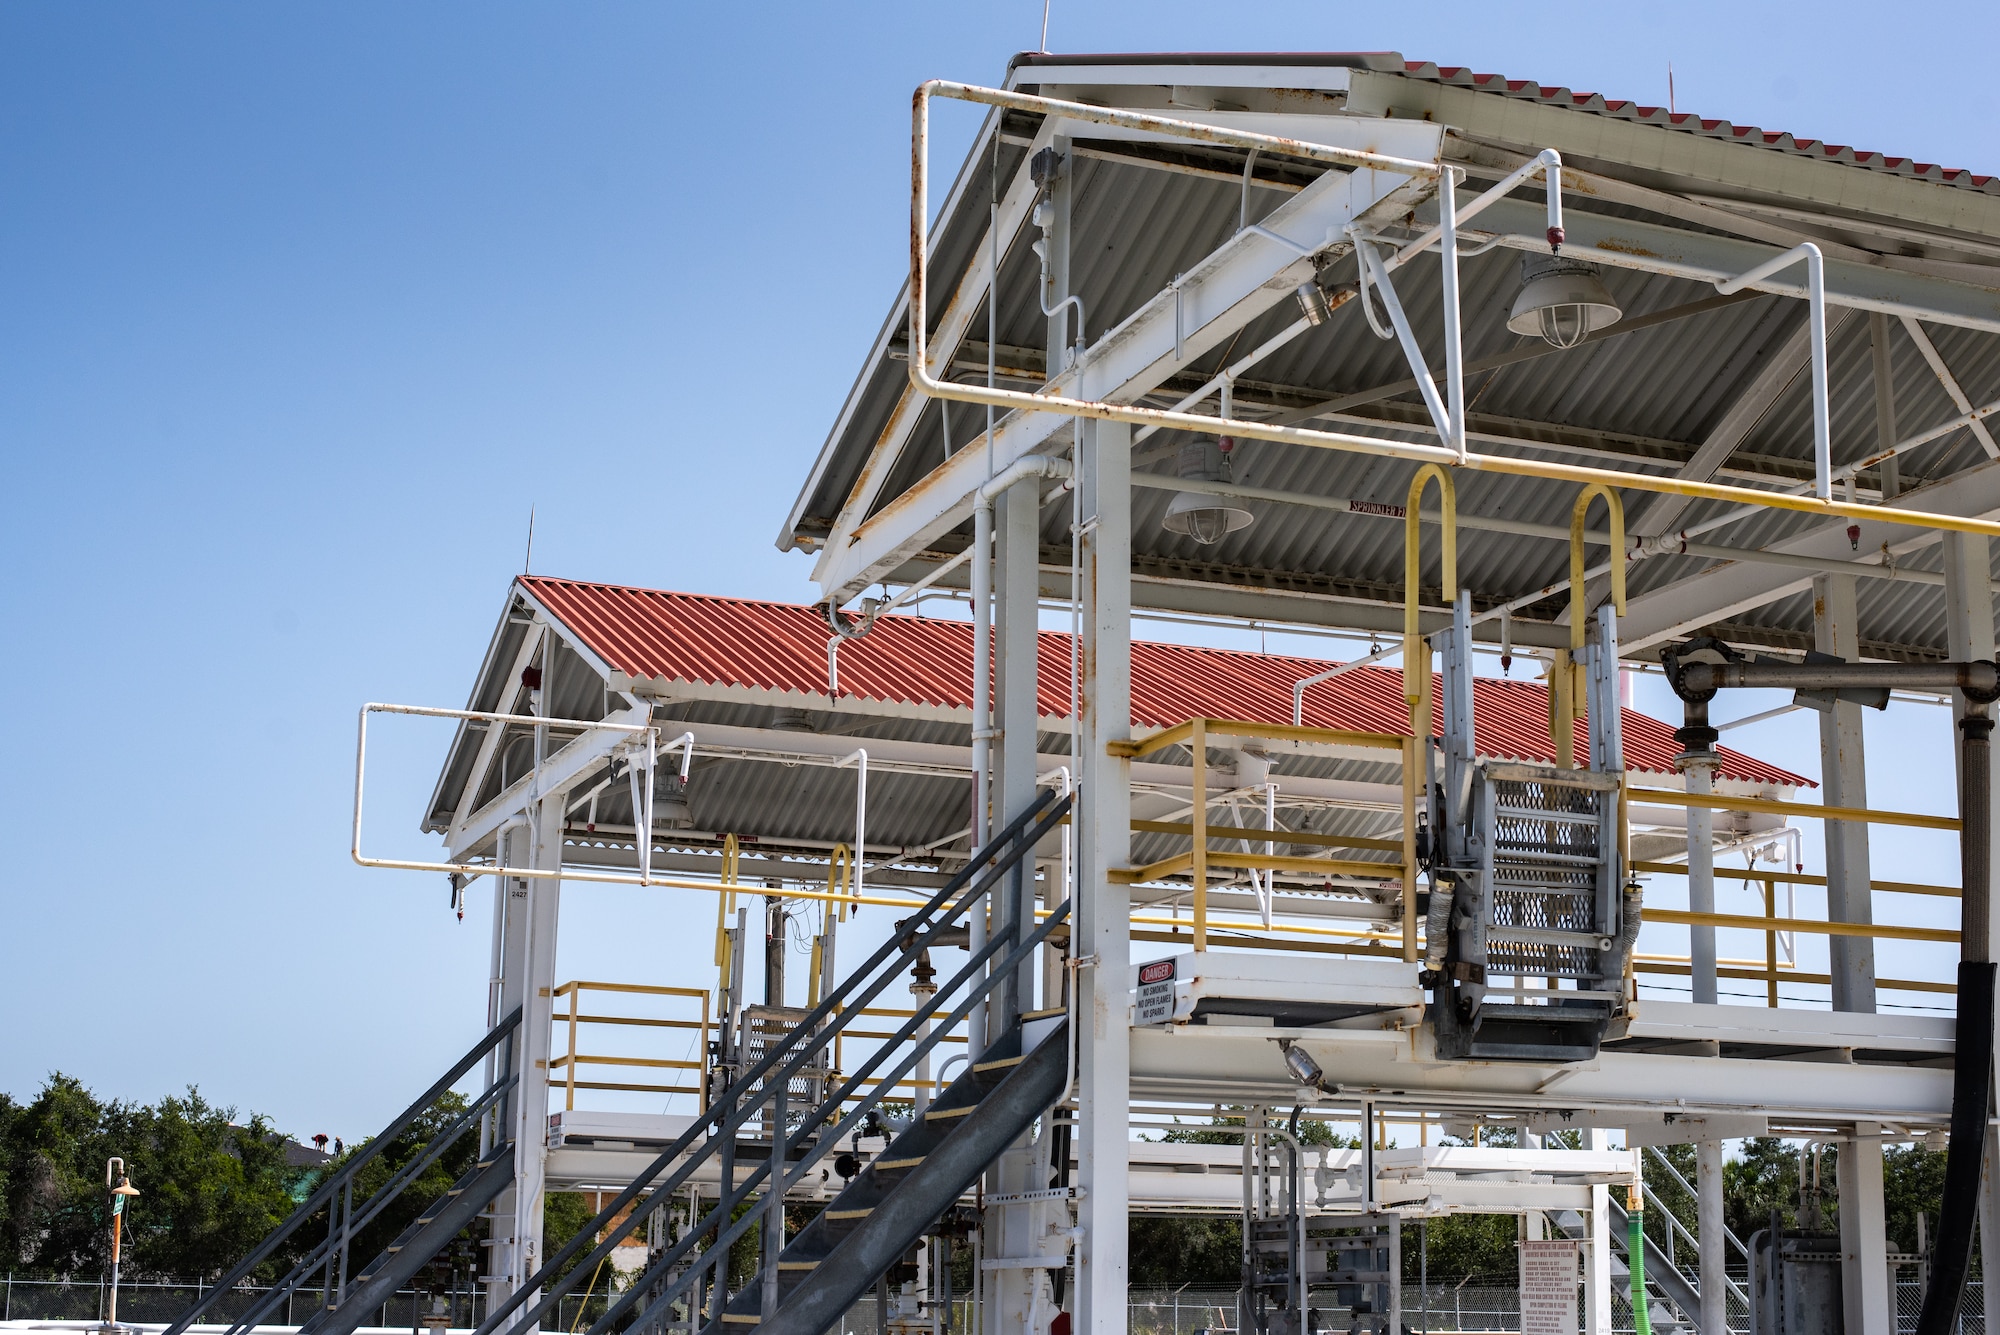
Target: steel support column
x,y
1969,634
1700,772
1844,774
1711,1239
1597,1250
1103,935
527,979
1864,1223
1015,1295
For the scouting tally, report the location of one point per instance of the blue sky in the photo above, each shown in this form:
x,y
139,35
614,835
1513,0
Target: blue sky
x,y
303,306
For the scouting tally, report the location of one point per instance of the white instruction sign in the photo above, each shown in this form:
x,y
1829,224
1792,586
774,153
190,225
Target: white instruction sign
x,y
1548,1287
1154,1002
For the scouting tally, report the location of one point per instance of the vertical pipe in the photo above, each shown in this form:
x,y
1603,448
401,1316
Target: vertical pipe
x,y
1700,772
1198,820
1816,317
982,729
1454,358
774,1197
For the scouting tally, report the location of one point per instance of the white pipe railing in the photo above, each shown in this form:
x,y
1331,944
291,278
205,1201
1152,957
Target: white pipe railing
x,y
1548,162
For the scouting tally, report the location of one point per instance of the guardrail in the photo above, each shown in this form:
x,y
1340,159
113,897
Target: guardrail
x,y
575,1018
1196,734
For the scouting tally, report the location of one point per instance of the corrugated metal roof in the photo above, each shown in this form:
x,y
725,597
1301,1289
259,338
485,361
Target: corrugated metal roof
x,y
1620,109
655,635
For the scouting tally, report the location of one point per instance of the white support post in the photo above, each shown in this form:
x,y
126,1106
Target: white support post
x,y
1700,772
1843,771
1885,402
1864,1224
1014,1296
1969,635
511,909
1711,1239
1597,1250
527,980
1103,928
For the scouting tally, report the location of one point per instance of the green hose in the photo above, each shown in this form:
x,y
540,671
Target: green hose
x,y
1635,1257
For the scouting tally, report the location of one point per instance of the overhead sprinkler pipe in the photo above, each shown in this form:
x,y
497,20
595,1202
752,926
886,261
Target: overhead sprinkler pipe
x,y
1548,163
1299,687
1070,406
871,611
1816,319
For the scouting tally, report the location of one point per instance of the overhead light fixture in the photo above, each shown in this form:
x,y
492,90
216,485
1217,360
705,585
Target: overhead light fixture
x,y
1563,301
1204,516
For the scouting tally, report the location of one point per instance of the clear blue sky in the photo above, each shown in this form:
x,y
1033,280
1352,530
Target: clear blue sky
x,y
303,305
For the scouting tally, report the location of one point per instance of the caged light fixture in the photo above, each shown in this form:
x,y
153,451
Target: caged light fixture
x,y
1563,301
1200,515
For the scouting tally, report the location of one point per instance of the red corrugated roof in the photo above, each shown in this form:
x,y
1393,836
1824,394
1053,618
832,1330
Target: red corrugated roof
x,y
647,633
1619,109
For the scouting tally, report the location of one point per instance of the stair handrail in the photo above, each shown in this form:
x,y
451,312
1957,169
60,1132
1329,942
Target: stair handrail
x,y
723,1117
324,1195
374,1205
816,1149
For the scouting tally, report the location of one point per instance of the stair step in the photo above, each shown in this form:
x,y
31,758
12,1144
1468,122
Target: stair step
x,y
797,1265
740,1319
1000,1065
945,1114
847,1214
887,1165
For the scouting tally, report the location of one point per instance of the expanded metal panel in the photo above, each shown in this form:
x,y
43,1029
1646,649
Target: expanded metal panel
x,y
1546,858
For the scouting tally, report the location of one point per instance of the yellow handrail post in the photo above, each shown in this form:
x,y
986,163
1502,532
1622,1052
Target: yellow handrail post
x,y
1771,944
1412,753
724,902
1198,820
1417,663
569,1067
1567,678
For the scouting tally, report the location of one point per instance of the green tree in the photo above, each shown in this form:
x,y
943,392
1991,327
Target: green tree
x,y
211,1188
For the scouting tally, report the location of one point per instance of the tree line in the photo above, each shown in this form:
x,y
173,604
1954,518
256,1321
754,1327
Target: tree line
x,y
215,1185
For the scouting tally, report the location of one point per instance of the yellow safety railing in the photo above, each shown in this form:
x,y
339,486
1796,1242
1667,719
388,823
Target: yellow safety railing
x,y
1566,675
575,1018
1416,660
1196,862
1770,924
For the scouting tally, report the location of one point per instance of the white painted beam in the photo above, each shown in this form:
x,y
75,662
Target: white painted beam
x,y
1675,609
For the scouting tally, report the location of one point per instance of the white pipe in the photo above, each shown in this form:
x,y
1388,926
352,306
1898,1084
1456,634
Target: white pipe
x,y
1236,369
1440,416
1548,163
1299,686
1454,354
1816,319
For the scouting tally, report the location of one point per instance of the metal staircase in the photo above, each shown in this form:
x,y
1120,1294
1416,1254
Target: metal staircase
x,y
758,1119
333,1203
1673,1301
885,1207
